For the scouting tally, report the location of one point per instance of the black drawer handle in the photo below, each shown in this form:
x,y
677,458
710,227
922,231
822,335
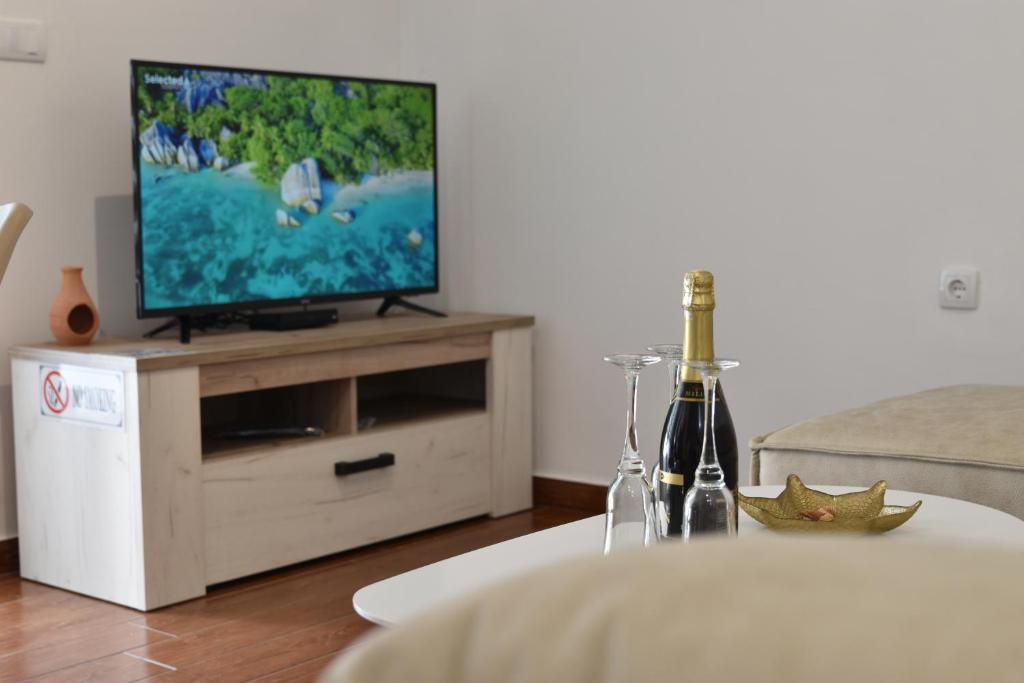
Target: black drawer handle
x,y
345,468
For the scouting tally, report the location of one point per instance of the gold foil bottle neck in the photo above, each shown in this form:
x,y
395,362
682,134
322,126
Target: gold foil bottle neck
x,y
699,291
698,320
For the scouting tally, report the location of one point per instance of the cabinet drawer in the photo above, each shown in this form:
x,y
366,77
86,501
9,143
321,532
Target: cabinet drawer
x,y
272,508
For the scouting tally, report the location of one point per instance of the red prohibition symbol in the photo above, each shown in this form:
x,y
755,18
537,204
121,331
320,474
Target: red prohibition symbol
x,y
55,392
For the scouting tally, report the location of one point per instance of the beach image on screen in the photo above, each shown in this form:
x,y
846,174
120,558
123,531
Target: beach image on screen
x,y
256,187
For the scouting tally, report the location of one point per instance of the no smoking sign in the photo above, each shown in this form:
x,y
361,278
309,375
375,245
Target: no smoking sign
x,y
80,394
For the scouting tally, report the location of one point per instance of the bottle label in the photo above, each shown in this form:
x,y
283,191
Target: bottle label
x,y
693,393
671,478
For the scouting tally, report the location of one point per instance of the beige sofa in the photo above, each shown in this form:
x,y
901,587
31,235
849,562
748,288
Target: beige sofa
x,y
774,610
963,441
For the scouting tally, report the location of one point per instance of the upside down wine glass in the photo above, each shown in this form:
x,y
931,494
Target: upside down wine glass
x,y
709,508
672,354
629,520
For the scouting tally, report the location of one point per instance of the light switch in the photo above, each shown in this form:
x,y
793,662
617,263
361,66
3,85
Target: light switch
x,y
22,40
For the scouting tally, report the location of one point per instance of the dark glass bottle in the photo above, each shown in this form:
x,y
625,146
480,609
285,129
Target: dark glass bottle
x,y
683,434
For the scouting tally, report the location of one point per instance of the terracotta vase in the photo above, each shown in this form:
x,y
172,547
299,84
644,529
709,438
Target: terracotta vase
x,y
73,316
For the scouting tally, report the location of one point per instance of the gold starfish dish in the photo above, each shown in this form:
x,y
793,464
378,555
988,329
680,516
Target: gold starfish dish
x,y
799,508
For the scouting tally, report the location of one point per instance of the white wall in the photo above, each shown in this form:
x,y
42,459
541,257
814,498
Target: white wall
x,y
65,133
823,159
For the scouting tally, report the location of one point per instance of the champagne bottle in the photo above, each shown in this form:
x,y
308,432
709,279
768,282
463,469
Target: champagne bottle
x,y
682,436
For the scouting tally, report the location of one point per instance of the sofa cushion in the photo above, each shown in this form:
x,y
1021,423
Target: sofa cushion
x,y
971,423
772,610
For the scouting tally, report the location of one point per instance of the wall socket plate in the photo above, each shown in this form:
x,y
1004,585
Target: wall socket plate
x,y
958,287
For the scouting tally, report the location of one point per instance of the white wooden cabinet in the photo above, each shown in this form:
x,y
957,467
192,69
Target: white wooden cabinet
x,y
128,490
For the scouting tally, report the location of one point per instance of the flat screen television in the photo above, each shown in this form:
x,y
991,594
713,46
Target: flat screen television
x,y
258,188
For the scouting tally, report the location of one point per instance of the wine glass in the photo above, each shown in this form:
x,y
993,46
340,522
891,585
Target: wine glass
x,y
709,508
673,355
629,520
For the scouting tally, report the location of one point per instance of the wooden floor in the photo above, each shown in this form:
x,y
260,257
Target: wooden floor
x,y
282,626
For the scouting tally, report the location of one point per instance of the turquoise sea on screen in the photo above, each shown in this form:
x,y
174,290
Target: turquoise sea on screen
x,y
211,237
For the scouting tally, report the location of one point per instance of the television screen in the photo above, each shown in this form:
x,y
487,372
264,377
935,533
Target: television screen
x,y
260,188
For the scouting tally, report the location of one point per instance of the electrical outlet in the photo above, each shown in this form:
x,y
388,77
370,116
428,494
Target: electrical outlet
x,y
958,288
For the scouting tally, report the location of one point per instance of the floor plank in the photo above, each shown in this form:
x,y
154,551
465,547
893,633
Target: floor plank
x,y
117,668
281,627
256,628
25,625
14,588
99,643
307,672
276,654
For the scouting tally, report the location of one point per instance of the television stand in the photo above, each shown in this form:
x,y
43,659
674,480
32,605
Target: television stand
x,y
144,499
399,301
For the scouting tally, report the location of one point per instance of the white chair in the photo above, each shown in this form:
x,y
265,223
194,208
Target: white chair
x,y
13,219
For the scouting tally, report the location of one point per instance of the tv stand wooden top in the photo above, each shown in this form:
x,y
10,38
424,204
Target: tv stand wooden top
x,y
226,346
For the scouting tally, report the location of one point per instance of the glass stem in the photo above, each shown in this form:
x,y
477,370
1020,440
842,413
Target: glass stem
x,y
709,452
630,449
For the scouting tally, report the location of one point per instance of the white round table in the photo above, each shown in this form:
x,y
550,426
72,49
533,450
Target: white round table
x,y
394,600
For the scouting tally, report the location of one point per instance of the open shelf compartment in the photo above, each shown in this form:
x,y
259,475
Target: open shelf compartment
x,y
328,405
343,407
392,398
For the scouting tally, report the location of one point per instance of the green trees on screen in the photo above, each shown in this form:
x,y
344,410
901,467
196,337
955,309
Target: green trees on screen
x,y
350,128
